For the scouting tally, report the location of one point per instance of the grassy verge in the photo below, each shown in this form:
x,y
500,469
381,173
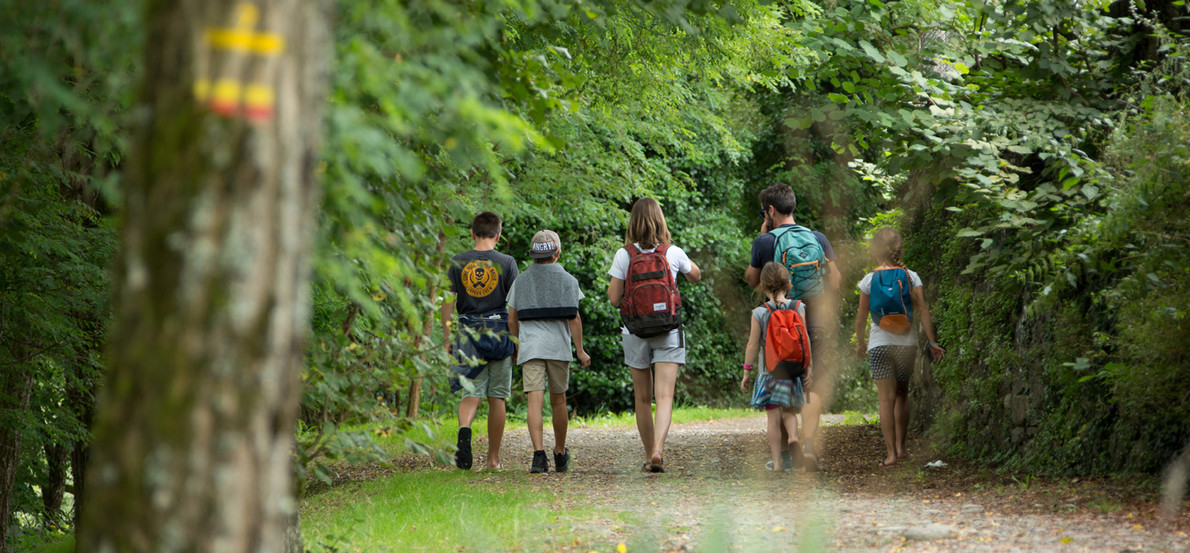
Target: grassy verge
x,y
434,511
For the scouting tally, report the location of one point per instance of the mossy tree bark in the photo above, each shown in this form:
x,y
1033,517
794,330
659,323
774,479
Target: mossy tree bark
x,y
194,429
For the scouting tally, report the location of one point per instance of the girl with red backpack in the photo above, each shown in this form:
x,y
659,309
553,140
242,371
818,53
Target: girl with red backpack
x,y
643,285
779,345
891,293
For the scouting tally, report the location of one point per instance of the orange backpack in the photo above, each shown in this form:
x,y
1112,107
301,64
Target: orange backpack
x,y
786,343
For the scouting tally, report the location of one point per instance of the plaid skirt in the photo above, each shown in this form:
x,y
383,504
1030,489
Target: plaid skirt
x,y
770,391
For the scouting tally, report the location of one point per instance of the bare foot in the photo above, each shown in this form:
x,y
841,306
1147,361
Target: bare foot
x,y
656,460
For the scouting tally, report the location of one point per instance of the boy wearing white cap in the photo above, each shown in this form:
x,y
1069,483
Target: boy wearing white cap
x,y
543,315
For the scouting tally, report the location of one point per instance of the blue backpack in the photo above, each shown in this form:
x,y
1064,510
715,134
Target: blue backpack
x,y
889,300
799,251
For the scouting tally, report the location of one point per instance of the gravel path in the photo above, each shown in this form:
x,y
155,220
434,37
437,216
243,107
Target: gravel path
x,y
716,496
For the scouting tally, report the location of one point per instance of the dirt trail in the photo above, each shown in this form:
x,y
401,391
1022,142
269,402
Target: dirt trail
x,y
717,496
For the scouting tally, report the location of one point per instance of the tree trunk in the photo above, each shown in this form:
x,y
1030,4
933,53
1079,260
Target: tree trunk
x,y
17,386
56,456
80,395
194,429
426,328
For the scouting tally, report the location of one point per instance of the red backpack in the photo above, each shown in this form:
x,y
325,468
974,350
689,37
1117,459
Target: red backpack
x,y
651,304
786,343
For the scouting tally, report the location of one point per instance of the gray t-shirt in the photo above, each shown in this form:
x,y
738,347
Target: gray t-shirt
x,y
544,338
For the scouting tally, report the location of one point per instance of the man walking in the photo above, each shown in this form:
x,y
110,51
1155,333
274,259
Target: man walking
x,y
810,259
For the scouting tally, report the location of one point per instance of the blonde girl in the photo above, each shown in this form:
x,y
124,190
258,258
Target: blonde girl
x,y
663,353
892,354
782,399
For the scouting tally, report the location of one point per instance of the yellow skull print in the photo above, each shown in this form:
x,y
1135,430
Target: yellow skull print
x,y
480,278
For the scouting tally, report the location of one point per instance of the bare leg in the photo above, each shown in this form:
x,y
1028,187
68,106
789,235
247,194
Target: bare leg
x,y
495,430
642,391
886,393
901,412
663,390
789,422
536,402
776,442
810,415
468,406
558,404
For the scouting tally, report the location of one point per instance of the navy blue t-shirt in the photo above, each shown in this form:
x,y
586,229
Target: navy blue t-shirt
x,y
762,252
762,247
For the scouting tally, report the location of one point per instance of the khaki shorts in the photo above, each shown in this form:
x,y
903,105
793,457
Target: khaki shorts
x,y
533,372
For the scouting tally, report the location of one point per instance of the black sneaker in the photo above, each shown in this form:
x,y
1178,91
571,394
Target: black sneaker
x,y
562,461
463,455
540,462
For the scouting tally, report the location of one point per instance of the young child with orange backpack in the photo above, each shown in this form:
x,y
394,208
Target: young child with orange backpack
x,y
779,327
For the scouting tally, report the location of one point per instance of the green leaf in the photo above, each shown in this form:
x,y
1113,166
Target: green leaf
x,y
837,98
871,51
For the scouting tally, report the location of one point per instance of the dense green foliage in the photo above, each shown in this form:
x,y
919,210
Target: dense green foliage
x,y
1033,152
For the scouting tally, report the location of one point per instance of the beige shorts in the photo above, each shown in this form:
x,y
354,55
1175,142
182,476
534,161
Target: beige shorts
x,y
533,372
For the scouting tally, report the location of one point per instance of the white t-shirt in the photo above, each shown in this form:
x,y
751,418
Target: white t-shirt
x,y
879,337
679,262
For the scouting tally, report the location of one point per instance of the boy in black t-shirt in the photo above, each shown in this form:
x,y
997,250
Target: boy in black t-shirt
x,y
480,279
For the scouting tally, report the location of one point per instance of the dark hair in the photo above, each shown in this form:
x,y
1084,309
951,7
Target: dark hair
x,y
774,279
646,225
486,225
780,196
888,245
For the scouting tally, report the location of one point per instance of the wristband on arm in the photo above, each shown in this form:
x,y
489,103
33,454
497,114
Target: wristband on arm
x,y
747,367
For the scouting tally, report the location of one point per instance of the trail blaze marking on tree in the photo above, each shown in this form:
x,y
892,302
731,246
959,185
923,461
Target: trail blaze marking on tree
x,y
229,95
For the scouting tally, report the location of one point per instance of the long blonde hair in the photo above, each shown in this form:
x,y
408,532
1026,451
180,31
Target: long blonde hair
x,y
646,225
888,246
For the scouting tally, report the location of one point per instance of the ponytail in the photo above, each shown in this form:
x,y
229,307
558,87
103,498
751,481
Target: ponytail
x,y
888,245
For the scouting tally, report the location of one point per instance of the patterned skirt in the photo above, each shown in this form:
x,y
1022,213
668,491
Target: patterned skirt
x,y
770,391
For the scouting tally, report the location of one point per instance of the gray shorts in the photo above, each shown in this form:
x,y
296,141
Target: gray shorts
x,y
641,353
495,380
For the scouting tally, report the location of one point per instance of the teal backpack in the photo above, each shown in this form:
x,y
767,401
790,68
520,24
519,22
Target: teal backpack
x,y
799,251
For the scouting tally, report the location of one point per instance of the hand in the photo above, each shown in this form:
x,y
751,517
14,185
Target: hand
x,y
584,359
808,380
861,350
450,348
744,381
937,352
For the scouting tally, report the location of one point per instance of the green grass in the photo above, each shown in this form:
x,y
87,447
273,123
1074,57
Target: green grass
x,y
435,511
439,433
681,415
61,544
